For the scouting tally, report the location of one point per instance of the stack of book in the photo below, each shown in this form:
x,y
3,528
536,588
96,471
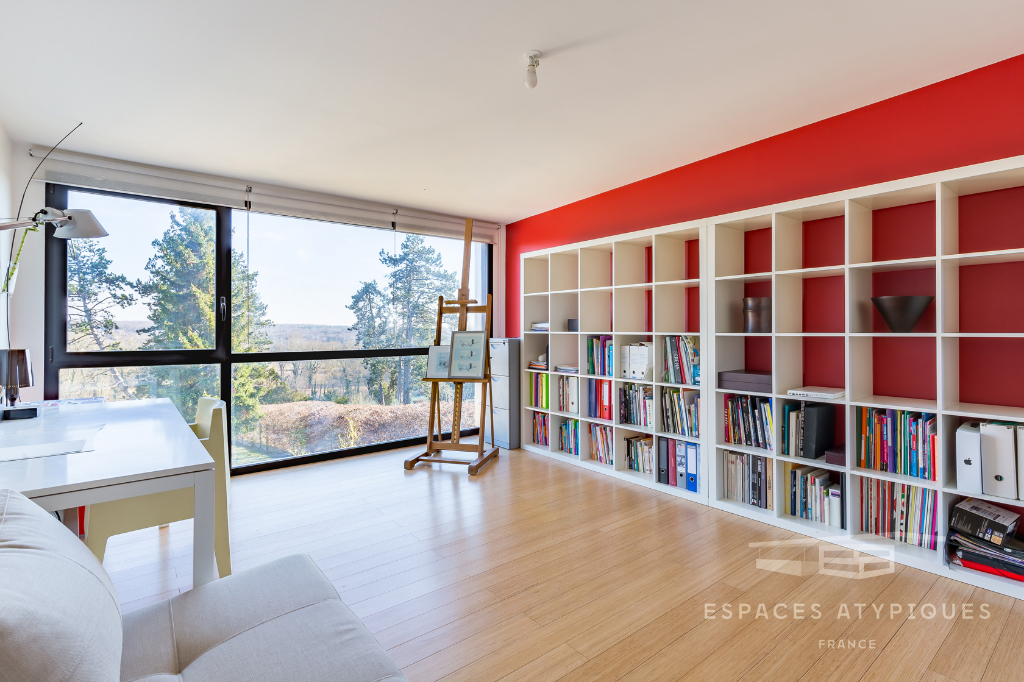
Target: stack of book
x,y
567,369
569,437
815,494
982,537
537,387
539,363
899,511
682,360
897,441
568,395
749,479
602,447
540,428
680,412
600,398
540,327
600,352
640,454
679,463
636,405
748,421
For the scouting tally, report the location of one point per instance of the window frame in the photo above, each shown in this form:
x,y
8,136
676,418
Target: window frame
x,y
58,357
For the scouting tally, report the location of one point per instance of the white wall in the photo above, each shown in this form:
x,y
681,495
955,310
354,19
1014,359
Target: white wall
x,y
27,304
6,211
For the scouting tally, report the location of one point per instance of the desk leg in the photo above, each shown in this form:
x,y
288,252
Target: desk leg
x,y
204,566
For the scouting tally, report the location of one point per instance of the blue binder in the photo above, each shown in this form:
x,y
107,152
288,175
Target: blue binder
x,y
692,466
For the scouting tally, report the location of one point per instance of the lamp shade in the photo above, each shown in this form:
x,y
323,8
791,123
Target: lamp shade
x,y
83,225
16,368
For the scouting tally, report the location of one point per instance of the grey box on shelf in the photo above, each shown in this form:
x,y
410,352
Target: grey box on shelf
x,y
505,377
573,324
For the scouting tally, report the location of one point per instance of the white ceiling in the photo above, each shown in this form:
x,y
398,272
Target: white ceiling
x,y
422,104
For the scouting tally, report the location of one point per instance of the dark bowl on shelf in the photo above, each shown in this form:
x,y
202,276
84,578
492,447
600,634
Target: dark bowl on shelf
x,y
901,313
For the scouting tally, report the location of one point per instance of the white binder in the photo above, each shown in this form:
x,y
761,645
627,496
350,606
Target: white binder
x,y
998,460
1020,462
968,458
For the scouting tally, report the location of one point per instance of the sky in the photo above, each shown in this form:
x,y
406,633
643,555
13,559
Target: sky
x,y
308,270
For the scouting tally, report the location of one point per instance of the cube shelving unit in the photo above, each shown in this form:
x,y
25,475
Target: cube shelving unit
x,y
957,235
607,284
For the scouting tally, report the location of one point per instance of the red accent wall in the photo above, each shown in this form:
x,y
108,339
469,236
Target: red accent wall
x,y
971,118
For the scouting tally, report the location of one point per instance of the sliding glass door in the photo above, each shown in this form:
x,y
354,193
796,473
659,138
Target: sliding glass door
x,y
315,333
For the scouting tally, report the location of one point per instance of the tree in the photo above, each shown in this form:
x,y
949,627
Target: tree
x,y
416,279
93,294
180,295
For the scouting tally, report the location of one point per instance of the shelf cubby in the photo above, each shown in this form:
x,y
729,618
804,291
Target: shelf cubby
x,y
563,306
556,424
535,273
778,414
984,371
596,266
565,350
633,309
634,261
810,301
866,283
565,270
534,345
596,311
975,294
677,256
743,247
811,238
729,295
535,309
983,213
809,361
677,308
892,226
660,355
662,425
900,368
751,353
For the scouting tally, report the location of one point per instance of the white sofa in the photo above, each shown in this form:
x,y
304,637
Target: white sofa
x,y
60,620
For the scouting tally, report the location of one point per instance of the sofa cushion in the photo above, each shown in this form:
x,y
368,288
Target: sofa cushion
x,y
279,621
59,614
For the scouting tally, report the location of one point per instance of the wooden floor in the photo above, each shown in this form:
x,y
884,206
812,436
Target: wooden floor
x,y
538,571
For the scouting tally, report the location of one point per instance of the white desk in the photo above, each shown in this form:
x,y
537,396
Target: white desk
x,y
144,447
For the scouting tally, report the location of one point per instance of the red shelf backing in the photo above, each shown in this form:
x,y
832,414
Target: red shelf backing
x,y
991,221
757,353
824,309
824,242
692,259
903,232
693,310
824,361
992,371
904,367
983,298
757,251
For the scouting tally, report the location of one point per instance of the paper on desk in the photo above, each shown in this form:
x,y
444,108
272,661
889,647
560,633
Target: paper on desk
x,y
28,445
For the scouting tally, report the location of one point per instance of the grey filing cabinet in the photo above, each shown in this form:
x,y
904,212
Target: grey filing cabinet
x,y
505,378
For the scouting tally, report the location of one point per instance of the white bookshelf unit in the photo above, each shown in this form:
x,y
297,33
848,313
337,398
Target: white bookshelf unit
x,y
604,284
957,235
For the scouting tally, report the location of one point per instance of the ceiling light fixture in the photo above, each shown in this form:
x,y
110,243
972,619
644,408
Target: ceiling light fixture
x,y
532,62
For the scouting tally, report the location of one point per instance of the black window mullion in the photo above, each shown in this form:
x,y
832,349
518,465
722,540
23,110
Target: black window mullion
x,y
55,296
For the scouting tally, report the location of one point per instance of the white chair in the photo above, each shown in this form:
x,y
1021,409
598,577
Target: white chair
x,y
122,516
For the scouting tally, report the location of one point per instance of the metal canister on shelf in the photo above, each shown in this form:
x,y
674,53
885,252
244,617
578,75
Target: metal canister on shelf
x,y
757,314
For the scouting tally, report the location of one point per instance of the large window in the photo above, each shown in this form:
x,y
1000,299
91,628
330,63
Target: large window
x,y
315,333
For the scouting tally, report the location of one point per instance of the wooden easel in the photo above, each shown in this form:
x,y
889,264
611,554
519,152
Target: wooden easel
x,y
461,306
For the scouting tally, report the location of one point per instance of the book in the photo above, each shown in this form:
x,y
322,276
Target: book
x,y
897,441
981,519
749,479
748,421
899,511
817,393
569,437
602,446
